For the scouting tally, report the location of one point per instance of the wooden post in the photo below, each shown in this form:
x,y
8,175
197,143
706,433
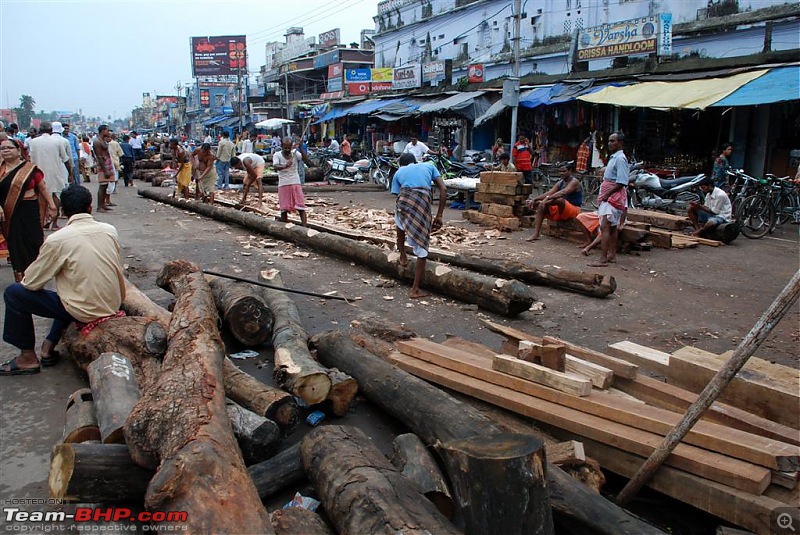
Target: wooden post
x,y
279,472
749,344
243,311
80,423
115,393
267,401
416,463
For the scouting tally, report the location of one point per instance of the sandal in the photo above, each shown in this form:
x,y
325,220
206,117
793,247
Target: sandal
x,y
11,368
50,360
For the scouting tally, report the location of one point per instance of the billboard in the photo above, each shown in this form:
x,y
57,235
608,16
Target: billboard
x,y
205,98
437,71
475,73
358,88
329,38
335,84
357,75
624,38
377,87
407,77
222,55
325,59
382,75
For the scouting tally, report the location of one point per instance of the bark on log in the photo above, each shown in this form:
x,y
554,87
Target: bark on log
x,y
361,491
115,391
142,340
506,297
243,312
499,481
80,422
278,473
148,164
418,465
96,473
436,417
137,303
181,425
295,370
258,437
267,401
343,390
298,521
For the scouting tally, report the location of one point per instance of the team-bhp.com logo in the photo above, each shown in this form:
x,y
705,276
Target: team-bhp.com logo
x,y
161,520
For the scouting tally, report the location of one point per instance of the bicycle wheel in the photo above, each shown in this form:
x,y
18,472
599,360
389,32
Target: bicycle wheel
x,y
591,189
786,206
757,216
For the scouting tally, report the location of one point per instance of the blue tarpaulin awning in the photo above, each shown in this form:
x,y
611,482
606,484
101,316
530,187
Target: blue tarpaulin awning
x,y
778,85
560,93
369,106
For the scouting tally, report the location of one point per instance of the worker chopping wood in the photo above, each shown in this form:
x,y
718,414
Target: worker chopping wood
x,y
412,184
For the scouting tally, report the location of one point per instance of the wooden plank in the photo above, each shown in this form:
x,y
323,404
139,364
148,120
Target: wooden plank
x,y
787,480
677,399
496,198
565,453
733,442
504,224
621,368
468,346
782,494
733,472
778,372
644,357
600,376
553,356
505,189
658,219
692,369
498,177
737,507
541,375
499,210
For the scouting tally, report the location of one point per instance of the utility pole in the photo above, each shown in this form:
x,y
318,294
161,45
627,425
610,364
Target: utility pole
x,y
515,106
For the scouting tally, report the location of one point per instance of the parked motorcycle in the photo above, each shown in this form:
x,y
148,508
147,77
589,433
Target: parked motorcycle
x,y
341,171
383,169
648,190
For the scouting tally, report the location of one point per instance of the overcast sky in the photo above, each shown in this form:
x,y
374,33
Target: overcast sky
x,y
100,56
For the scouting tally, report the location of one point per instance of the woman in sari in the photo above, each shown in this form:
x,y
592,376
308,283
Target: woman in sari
x,y
25,203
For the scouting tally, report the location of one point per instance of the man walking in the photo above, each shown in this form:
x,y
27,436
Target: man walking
x,y
613,199
127,160
83,259
290,192
245,144
105,167
115,150
225,151
417,148
51,154
138,146
73,143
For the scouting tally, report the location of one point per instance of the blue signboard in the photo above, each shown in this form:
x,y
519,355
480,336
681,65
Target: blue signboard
x,y
227,109
357,75
334,84
328,58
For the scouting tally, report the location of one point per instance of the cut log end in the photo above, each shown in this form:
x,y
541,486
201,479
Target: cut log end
x,y
62,463
313,388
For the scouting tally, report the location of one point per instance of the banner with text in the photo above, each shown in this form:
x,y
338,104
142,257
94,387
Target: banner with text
x,y
360,88
357,75
407,77
625,38
215,56
382,75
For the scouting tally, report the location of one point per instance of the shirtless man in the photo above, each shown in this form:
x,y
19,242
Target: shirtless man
x,y
206,172
254,165
105,167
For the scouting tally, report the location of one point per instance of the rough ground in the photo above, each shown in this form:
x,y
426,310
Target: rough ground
x,y
707,297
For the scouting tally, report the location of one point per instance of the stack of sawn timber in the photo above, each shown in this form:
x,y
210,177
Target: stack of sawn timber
x,y
502,197
737,465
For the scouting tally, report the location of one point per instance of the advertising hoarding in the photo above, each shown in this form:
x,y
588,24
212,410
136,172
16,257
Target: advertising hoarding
x,y
358,88
624,38
329,38
382,75
325,59
377,87
221,55
437,71
357,75
407,77
475,73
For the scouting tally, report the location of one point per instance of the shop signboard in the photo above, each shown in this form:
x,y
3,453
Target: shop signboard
x,y
294,49
382,75
205,98
475,73
325,59
624,38
391,5
221,55
358,88
335,84
407,77
437,71
329,38
357,75
331,95
665,35
377,87
335,70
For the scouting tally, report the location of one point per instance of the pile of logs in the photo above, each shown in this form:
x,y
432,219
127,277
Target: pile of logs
x,y
502,197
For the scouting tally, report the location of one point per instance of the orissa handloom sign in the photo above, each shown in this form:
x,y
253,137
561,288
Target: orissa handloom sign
x,y
625,38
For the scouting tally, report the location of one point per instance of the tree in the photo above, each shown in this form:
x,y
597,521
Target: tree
x,y
25,110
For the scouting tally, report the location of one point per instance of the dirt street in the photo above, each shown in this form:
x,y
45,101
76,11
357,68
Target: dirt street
x,y
706,297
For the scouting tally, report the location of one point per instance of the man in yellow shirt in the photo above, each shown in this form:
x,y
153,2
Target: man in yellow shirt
x,y
83,260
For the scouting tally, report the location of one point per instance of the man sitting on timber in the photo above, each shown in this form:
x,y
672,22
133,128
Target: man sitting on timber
x,y
716,210
83,259
562,203
412,185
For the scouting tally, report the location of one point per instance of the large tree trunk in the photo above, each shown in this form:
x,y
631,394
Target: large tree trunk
x,y
258,437
506,297
295,370
244,313
115,393
96,473
137,303
181,426
361,490
436,417
279,472
298,521
267,401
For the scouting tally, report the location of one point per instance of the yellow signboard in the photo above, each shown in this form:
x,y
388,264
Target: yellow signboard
x,y
382,75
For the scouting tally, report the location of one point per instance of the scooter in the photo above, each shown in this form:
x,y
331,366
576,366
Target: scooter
x,y
341,171
650,191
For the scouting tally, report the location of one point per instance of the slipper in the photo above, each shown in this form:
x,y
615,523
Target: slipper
x,y
50,360
11,368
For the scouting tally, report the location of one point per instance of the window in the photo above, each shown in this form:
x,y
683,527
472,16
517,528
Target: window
x,y
441,36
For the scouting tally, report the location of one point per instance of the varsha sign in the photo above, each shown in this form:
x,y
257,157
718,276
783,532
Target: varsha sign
x,y
630,37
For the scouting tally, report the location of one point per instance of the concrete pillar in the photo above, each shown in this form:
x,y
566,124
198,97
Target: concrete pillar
x,y
756,155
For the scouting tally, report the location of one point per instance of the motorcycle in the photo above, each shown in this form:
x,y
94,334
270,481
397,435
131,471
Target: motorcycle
x,y
341,171
648,190
383,169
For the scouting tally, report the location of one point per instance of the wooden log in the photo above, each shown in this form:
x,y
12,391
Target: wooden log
x,y
343,390
361,491
80,422
137,303
435,417
538,374
267,401
295,369
243,312
181,424
258,437
501,483
553,356
745,446
298,521
115,391
414,461
277,473
725,233
506,297
96,473
566,453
